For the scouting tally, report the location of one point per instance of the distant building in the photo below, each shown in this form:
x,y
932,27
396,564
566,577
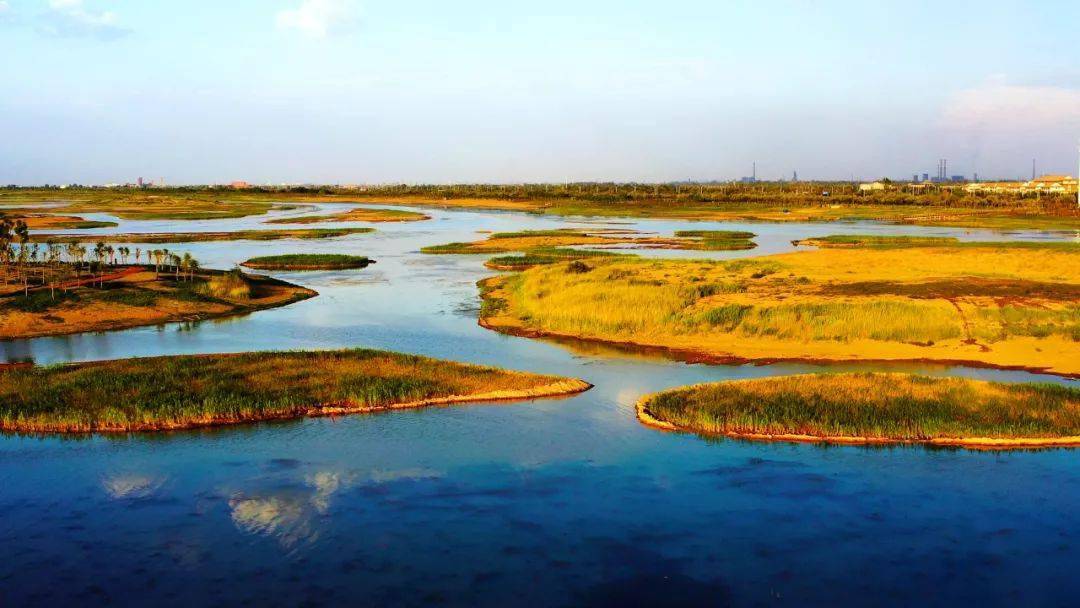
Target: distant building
x,y
873,187
1055,184
1047,184
239,185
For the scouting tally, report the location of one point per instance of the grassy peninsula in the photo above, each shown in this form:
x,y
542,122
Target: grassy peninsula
x,y
308,261
196,237
165,393
873,408
41,221
995,306
128,296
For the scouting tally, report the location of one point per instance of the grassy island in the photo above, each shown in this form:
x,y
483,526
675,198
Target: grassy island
x,y
308,261
990,305
165,393
128,296
717,240
534,241
542,256
873,408
361,214
195,237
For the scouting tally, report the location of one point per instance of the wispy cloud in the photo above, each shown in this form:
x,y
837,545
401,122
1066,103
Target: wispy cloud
x,y
1003,107
71,18
320,18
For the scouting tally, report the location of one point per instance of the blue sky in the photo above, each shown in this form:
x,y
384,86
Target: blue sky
x,y
370,91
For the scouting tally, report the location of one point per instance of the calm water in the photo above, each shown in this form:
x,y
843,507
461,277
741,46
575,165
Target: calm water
x,y
552,502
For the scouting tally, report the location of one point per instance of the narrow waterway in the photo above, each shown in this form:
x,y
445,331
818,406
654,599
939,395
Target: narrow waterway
x,y
552,502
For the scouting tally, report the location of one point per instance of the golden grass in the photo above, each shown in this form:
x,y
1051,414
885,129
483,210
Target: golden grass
x,y
1009,308
873,408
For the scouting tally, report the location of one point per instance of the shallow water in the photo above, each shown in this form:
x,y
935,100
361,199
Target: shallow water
x,y
552,502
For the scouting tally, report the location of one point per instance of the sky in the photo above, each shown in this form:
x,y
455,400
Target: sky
x,y
417,91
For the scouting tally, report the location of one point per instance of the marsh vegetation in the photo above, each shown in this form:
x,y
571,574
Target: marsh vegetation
x,y
1010,307
873,407
360,214
196,237
941,205
536,241
164,393
902,242
308,261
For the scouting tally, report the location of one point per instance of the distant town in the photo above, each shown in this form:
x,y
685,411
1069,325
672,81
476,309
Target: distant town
x,y
1044,184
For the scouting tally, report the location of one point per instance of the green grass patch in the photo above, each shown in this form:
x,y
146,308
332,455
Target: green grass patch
x,y
308,261
720,240
543,256
449,248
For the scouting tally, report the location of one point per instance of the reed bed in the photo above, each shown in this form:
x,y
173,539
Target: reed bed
x,y
308,261
188,391
1009,307
545,255
719,240
873,407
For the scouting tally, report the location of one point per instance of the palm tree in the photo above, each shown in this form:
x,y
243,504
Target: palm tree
x,y
138,254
